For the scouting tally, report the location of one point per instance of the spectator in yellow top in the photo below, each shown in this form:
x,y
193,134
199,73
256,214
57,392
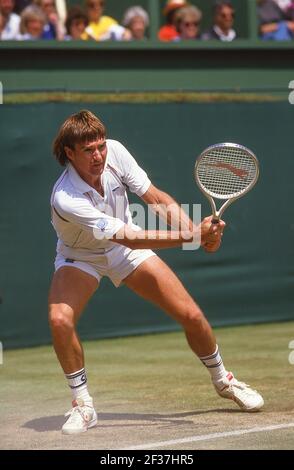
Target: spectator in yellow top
x,y
102,27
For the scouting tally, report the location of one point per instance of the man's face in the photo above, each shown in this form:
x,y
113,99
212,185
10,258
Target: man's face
x,y
88,158
6,7
225,18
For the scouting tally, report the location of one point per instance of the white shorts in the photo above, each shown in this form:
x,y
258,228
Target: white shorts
x,y
116,263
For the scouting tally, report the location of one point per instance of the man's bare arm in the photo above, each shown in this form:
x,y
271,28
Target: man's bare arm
x,y
168,209
157,239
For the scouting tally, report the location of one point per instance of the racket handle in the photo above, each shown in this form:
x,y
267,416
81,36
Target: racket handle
x,y
215,221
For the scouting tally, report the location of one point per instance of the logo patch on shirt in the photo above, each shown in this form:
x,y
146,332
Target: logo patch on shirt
x,y
102,224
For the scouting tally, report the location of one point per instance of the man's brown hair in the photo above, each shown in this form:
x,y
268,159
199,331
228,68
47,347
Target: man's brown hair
x,y
81,127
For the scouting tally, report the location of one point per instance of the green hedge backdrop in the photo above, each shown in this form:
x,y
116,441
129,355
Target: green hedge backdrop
x,y
249,280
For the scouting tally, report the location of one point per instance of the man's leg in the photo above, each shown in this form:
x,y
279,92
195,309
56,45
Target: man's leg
x,y
155,281
70,291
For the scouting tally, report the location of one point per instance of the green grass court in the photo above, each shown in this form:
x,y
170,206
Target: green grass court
x,y
151,389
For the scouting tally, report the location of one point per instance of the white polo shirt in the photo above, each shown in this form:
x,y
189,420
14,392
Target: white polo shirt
x,y
11,29
83,219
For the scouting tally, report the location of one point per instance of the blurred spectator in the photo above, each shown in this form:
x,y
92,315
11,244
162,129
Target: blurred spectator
x,y
136,19
101,27
283,4
273,22
20,5
188,23
61,8
287,6
1,23
76,23
168,32
223,22
10,21
32,22
290,11
53,28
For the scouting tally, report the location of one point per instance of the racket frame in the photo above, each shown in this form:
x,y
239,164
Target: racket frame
x,y
218,213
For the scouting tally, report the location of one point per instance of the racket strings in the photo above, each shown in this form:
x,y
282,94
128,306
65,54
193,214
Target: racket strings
x,y
226,172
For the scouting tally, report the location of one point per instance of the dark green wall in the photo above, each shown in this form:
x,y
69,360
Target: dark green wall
x,y
249,280
113,66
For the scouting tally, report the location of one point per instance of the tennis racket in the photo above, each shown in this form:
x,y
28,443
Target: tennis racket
x,y
226,172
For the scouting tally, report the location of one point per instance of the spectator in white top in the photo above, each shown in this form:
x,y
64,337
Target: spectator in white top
x,y
136,19
10,21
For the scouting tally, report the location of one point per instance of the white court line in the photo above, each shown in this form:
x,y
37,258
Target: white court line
x,y
207,437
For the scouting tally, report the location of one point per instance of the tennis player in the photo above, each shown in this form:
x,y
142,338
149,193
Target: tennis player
x,y
96,238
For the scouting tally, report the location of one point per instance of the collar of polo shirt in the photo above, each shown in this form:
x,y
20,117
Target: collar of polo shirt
x,y
77,181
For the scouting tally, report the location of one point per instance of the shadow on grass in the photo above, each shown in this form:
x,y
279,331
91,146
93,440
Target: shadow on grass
x,y
54,423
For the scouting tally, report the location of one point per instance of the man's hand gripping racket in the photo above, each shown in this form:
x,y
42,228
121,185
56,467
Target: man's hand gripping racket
x,y
224,171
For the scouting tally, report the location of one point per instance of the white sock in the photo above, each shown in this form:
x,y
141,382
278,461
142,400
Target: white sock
x,y
215,366
77,381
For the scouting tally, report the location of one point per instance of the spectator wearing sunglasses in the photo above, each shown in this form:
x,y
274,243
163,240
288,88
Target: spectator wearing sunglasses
x,y
187,22
223,22
168,31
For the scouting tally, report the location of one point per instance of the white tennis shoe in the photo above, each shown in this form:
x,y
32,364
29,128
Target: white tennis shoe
x,y
81,418
241,393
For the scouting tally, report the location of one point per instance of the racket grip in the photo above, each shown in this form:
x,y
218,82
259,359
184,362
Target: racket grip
x,y
215,221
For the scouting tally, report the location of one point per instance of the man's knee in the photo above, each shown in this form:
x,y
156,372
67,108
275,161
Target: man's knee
x,y
60,319
192,317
